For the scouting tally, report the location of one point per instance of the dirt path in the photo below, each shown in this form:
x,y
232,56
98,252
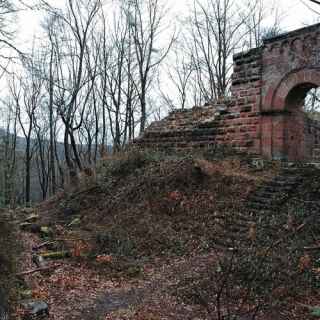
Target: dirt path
x,y
76,291
69,289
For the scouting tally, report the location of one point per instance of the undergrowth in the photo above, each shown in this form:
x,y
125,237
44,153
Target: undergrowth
x,y
9,251
157,205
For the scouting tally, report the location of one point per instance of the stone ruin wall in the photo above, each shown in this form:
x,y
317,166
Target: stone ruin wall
x,y
291,65
264,115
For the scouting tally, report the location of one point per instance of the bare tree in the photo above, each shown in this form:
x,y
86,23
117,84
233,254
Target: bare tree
x,y
254,22
145,20
8,153
315,1
179,73
216,33
8,50
216,29
27,93
75,26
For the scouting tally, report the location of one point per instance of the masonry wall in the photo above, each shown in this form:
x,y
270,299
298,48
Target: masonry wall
x,y
290,69
246,91
264,115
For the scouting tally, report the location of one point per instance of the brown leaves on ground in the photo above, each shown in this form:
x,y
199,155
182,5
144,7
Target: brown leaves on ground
x,y
163,219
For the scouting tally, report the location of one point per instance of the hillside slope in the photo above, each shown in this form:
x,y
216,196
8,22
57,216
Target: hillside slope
x,y
9,250
173,237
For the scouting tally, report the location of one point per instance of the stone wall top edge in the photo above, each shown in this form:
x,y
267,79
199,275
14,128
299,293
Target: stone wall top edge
x,y
293,33
248,53
207,106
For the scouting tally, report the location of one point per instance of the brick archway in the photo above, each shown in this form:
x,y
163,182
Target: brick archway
x,y
285,127
275,99
267,80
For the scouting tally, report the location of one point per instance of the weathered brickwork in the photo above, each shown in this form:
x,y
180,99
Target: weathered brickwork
x,y
264,115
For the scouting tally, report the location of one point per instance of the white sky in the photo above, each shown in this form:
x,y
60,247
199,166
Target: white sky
x,y
294,15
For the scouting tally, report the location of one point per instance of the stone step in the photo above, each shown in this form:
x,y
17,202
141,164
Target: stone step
x,y
288,176
259,199
209,124
265,194
236,230
177,139
287,182
281,185
258,205
189,115
177,145
270,196
198,117
257,211
189,140
169,128
274,188
179,133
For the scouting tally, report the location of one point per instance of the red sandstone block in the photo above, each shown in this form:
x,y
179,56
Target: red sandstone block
x,y
256,134
253,114
277,146
267,103
278,103
315,78
267,60
301,77
252,99
244,114
241,101
256,145
231,130
236,122
294,79
256,121
246,109
249,128
244,128
266,141
256,91
248,121
283,91
307,75
256,108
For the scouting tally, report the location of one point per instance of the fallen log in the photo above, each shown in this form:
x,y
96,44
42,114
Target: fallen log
x,y
55,255
38,270
312,248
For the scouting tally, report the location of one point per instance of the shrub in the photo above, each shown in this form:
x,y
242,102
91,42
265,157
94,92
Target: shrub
x,y
125,163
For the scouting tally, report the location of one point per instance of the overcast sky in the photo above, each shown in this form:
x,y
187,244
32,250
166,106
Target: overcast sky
x,y
294,15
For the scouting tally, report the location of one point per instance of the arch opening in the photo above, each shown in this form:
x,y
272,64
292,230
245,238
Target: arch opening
x,y
312,104
301,128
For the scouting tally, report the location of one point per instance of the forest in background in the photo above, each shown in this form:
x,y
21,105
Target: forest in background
x,y
212,233
98,73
